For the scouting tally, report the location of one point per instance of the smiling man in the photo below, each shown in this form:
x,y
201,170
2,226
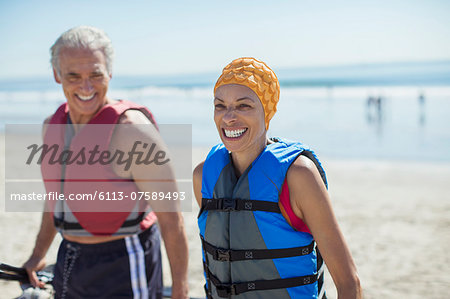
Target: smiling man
x,y
104,254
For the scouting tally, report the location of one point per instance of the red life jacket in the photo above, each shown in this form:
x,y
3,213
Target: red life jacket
x,y
94,180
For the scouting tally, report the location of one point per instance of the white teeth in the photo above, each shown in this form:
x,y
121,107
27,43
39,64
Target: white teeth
x,y
234,133
86,98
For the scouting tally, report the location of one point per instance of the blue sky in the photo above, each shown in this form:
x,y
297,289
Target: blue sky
x,y
176,37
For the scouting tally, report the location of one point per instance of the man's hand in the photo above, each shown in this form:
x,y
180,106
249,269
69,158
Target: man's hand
x,y
32,265
180,290
44,239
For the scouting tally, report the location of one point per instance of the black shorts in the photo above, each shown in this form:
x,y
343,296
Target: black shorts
x,y
125,268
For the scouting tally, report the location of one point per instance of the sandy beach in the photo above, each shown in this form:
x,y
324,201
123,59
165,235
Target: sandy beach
x,y
395,217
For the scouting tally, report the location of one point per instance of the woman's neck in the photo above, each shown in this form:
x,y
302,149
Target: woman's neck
x,y
242,160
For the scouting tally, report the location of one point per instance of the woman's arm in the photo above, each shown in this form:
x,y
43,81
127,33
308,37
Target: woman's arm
x,y
197,181
310,201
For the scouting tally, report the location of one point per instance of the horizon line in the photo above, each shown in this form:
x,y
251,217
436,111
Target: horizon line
x,y
279,69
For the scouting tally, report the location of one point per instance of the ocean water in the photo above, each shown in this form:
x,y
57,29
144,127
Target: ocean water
x,y
336,122
334,119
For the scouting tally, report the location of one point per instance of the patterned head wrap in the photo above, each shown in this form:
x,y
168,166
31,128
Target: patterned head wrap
x,y
257,76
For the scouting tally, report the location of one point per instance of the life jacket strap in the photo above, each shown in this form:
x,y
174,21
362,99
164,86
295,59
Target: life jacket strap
x,y
228,290
236,204
220,254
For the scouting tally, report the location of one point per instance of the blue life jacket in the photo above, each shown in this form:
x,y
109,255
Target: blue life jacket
x,y
249,249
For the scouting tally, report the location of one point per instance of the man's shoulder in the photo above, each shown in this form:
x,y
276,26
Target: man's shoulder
x,y
134,116
59,112
134,125
48,119
45,124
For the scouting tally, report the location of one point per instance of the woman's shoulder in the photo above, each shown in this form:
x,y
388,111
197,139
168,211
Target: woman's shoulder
x,y
303,173
198,171
302,166
197,182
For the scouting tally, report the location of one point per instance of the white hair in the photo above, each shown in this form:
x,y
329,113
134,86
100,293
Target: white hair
x,y
86,37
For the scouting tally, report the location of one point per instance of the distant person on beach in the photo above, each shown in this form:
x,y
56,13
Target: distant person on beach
x,y
104,254
370,102
375,109
422,100
265,215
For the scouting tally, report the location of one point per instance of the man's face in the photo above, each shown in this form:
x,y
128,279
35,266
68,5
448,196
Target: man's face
x,y
84,79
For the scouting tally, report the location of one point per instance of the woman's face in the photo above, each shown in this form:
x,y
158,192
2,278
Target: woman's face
x,y
239,118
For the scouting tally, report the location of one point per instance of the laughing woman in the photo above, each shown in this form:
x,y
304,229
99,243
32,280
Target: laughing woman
x,y
265,210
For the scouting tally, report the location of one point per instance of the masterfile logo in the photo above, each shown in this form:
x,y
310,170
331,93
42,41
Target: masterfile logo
x,y
105,168
140,153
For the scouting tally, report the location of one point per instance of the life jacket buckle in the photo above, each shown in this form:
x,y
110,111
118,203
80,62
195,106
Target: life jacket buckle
x,y
225,291
222,255
228,204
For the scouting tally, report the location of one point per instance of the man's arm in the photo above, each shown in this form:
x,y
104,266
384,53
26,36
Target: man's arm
x,y
158,178
44,239
173,233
